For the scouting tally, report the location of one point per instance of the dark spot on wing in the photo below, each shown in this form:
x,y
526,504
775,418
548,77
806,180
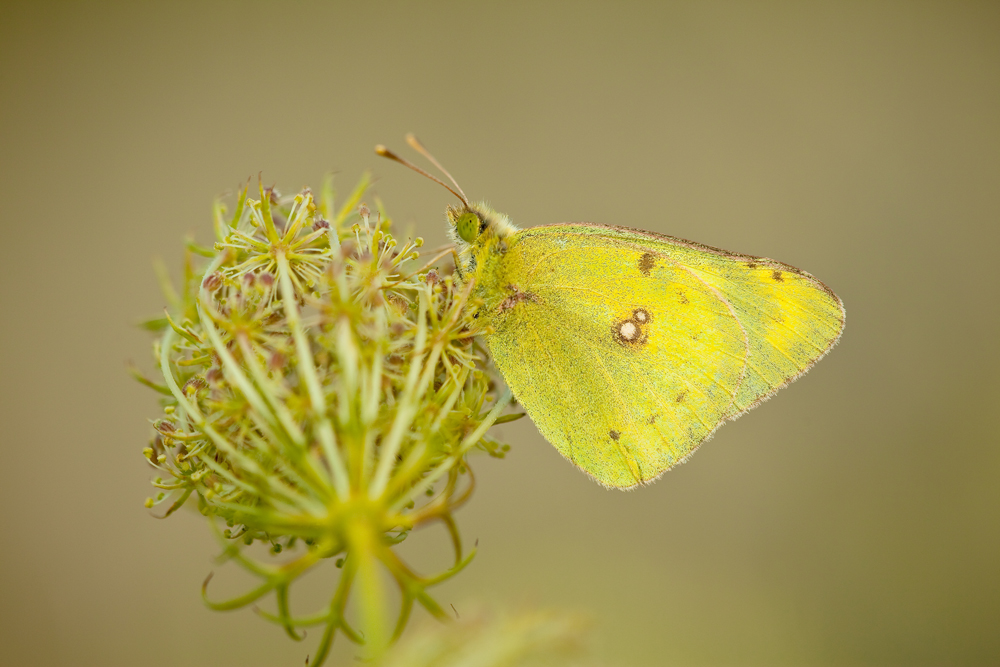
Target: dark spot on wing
x,y
752,265
777,276
652,419
515,298
684,299
641,316
646,262
614,434
680,397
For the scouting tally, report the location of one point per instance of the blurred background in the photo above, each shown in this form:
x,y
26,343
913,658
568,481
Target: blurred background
x,y
852,520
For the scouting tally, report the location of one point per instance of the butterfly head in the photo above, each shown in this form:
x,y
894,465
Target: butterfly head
x,y
477,230
478,224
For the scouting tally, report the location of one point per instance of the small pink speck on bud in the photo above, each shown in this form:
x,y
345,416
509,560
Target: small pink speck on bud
x,y
321,224
363,211
432,277
266,279
249,280
276,361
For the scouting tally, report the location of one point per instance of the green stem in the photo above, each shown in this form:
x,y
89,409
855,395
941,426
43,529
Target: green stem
x,y
307,370
364,547
408,403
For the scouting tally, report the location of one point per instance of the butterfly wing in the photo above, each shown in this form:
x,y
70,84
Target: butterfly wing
x,y
791,318
628,349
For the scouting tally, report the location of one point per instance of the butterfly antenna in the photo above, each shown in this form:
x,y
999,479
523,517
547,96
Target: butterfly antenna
x,y
385,152
419,147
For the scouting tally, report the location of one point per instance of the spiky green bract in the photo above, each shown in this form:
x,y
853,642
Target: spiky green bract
x,y
322,392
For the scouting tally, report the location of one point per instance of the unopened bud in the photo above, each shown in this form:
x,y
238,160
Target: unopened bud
x,y
212,282
164,426
193,385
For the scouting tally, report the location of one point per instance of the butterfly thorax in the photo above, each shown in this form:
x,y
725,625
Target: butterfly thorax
x,y
482,237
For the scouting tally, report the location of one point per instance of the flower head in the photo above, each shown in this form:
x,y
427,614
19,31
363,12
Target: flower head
x,y
322,390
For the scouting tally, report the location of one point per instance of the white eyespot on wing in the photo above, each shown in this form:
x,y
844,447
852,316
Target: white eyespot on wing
x,y
628,330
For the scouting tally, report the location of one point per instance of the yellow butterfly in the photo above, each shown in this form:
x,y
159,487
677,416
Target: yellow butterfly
x,y
628,349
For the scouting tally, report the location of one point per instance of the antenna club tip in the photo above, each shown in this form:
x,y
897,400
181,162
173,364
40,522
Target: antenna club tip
x,y
412,140
381,150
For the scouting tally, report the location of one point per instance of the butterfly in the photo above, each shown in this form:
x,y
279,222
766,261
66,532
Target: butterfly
x,y
627,348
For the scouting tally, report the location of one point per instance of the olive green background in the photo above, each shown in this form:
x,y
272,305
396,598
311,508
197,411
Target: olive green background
x,y
852,520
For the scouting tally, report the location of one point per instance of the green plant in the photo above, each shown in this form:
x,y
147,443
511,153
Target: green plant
x,y
321,392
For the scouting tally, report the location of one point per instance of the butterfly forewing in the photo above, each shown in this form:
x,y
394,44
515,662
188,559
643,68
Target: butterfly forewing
x,y
791,318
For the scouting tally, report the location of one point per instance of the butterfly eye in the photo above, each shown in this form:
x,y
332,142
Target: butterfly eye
x,y
468,227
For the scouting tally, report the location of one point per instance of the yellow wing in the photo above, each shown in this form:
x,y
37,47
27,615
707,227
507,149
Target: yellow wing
x,y
628,349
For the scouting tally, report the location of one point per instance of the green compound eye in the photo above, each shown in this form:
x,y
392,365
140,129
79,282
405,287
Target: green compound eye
x,y
468,227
